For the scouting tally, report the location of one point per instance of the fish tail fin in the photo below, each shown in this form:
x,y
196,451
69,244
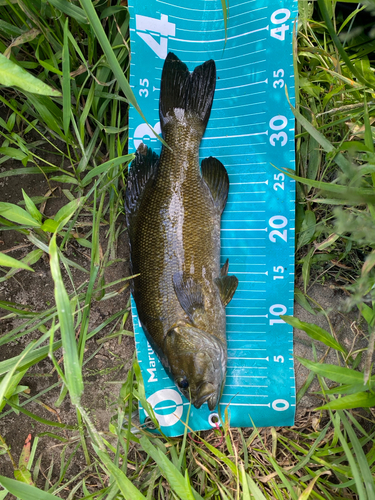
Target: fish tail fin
x,y
184,95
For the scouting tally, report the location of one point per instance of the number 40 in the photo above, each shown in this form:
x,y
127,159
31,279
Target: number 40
x,y
279,32
149,28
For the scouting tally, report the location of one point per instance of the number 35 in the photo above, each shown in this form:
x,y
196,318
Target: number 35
x,y
144,83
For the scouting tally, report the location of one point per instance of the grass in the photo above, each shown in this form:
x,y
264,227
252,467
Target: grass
x,y
79,116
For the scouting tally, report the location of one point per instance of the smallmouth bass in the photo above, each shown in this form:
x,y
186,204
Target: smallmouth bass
x,y
173,209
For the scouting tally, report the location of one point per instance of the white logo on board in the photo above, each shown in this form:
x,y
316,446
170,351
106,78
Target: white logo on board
x,y
176,409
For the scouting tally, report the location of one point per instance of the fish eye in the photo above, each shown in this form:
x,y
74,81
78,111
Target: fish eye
x,y
183,383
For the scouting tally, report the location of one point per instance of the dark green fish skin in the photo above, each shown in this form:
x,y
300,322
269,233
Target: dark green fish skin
x,y
173,211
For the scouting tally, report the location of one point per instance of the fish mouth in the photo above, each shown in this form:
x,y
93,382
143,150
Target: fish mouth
x,y
212,402
209,395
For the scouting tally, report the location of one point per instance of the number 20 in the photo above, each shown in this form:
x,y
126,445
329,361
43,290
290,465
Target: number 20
x,y
278,222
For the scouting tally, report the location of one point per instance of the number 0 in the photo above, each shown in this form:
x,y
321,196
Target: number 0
x,y
278,118
285,15
273,222
277,402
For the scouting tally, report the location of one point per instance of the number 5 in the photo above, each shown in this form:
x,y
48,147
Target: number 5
x,y
278,358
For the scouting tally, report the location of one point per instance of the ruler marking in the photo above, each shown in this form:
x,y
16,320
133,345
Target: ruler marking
x,y
244,151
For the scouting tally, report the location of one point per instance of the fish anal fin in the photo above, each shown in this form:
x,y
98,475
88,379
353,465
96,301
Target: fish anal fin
x,y
227,285
189,294
216,177
142,170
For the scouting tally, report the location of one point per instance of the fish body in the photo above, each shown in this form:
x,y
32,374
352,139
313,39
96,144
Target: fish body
x,y
173,210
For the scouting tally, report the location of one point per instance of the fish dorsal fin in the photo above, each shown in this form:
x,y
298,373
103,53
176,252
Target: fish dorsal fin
x,y
192,93
189,294
216,177
142,170
227,285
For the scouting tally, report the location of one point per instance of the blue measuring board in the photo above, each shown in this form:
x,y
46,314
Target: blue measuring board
x,y
251,128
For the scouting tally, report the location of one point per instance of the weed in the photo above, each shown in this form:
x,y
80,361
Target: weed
x,y
70,104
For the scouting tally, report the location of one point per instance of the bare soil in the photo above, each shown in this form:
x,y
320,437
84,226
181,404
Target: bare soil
x,y
103,374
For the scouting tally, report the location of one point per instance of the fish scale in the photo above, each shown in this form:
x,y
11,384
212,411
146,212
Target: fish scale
x,y
173,217
197,234
251,131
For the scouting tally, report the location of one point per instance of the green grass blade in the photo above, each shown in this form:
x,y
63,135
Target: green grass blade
x,y
255,491
126,487
39,419
341,161
94,269
104,167
174,477
67,211
31,359
85,112
369,142
225,17
30,259
350,194
352,461
6,382
14,153
336,41
96,25
66,79
311,451
17,214
361,457
358,400
31,208
49,113
315,332
12,75
336,373
24,491
7,261
222,457
245,486
70,10
28,170
72,366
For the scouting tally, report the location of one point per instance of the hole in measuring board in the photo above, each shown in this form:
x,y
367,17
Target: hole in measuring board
x,y
213,420
149,423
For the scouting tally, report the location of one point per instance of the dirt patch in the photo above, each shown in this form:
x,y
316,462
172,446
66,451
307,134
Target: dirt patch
x,y
107,365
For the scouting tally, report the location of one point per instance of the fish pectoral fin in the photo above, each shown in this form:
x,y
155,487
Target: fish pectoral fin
x,y
189,294
216,177
142,170
227,285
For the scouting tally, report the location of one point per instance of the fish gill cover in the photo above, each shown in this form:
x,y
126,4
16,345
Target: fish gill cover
x,y
251,128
